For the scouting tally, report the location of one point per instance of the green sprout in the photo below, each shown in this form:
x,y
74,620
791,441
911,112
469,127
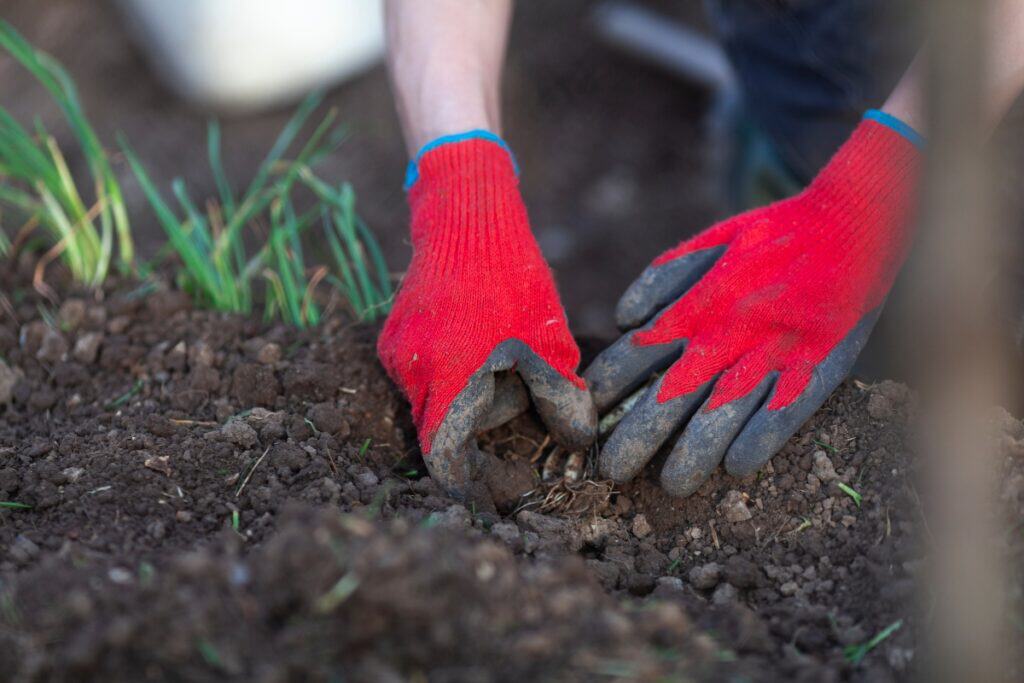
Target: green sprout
x,y
855,653
826,446
11,505
36,183
125,397
857,498
239,241
210,654
361,275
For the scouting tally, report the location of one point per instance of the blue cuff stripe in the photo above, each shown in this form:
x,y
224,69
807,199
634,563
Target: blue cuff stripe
x,y
412,171
890,121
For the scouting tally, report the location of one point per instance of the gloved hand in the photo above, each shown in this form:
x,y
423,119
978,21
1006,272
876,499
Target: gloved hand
x,y
478,299
760,317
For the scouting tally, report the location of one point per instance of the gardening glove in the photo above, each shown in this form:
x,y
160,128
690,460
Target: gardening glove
x,y
759,318
478,301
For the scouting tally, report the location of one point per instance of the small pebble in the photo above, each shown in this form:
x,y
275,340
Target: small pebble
x,y
641,527
734,507
823,467
87,347
706,576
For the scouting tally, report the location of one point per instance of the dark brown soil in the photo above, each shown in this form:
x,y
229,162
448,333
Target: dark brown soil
x,y
214,499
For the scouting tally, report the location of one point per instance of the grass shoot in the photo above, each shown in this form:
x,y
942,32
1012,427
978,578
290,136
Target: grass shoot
x,y
239,241
855,653
845,488
36,183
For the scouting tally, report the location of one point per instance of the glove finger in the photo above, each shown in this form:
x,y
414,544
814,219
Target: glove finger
x,y
624,366
643,431
455,461
660,285
566,410
706,439
768,430
510,401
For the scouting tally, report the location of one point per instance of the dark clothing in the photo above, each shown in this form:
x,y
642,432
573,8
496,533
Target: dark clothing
x,y
809,69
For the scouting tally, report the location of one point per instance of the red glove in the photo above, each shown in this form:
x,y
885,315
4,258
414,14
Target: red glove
x,y
477,299
771,309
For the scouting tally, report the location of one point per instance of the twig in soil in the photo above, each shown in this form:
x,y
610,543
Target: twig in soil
x,y
540,449
346,390
195,423
127,396
921,511
855,653
11,505
578,498
339,593
330,461
252,469
805,524
714,534
5,304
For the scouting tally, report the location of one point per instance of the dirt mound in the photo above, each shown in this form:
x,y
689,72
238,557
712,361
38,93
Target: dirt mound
x,y
155,449
333,597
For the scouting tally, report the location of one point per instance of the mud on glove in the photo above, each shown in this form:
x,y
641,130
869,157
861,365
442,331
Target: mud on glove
x,y
759,318
478,299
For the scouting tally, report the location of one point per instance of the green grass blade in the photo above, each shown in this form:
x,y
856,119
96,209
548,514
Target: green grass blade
x,y
61,87
283,142
77,256
341,261
227,195
194,260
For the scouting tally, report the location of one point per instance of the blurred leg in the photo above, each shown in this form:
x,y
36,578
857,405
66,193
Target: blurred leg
x,y
808,70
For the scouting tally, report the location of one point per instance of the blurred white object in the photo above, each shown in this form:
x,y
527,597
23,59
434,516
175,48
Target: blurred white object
x,y
246,54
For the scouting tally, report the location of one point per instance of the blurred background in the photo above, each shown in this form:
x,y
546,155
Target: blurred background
x,y
614,167
621,155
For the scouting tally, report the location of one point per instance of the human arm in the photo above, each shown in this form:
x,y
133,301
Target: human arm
x,y
477,316
445,59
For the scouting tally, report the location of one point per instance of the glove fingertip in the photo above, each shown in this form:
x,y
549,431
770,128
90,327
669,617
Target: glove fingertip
x,y
661,283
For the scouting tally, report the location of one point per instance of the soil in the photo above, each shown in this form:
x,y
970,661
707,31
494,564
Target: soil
x,y
212,498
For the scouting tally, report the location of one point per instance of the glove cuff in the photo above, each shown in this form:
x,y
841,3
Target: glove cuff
x,y
890,121
412,171
465,202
